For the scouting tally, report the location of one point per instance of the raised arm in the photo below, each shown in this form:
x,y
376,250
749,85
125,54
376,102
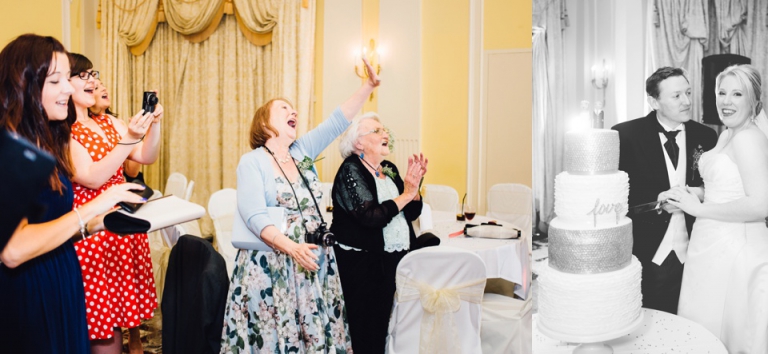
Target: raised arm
x,y
93,174
354,104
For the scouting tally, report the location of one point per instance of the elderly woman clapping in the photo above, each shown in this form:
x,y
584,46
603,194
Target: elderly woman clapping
x,y
373,206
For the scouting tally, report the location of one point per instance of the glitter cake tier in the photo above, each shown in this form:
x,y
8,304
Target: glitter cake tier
x,y
589,250
591,151
589,305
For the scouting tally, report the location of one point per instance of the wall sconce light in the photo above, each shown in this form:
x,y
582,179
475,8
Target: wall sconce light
x,y
372,54
600,74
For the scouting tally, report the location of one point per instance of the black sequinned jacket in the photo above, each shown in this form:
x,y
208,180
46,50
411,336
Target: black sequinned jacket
x,y
358,217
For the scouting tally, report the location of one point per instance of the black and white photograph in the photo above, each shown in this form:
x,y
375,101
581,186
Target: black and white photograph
x,y
650,176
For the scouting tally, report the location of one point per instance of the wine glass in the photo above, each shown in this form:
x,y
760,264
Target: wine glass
x,y
469,211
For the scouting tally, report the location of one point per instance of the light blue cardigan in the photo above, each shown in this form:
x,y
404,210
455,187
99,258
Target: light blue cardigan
x,y
256,188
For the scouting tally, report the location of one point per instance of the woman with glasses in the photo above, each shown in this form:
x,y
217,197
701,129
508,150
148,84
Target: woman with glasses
x,y
117,270
42,302
373,207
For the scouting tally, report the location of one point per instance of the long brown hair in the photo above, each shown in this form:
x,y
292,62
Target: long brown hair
x,y
24,67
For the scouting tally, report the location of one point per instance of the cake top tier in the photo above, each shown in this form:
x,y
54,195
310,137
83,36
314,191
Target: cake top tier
x,y
591,151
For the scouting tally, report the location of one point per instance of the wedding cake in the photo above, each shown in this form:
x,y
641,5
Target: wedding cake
x,y
591,284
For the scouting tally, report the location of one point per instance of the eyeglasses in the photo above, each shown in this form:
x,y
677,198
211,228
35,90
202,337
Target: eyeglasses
x,y
378,131
87,74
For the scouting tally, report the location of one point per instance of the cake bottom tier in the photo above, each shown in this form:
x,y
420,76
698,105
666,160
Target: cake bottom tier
x,y
590,304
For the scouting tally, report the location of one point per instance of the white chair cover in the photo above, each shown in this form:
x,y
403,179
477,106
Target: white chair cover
x,y
437,304
506,326
326,187
424,223
176,185
441,197
221,208
512,203
190,189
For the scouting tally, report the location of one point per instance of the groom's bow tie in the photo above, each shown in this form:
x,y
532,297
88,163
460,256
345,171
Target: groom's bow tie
x,y
671,145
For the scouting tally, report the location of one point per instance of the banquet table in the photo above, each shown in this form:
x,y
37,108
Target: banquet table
x,y
660,332
506,259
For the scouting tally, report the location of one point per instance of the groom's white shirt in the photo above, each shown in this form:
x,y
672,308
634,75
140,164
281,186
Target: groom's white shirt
x,y
676,237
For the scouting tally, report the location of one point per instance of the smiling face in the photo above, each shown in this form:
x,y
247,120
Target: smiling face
x,y
673,106
733,104
57,88
374,140
283,118
101,97
83,95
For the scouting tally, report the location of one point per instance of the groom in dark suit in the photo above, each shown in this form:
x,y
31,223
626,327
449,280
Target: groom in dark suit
x,y
660,151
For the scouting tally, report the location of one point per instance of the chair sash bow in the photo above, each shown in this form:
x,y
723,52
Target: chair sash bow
x,y
438,327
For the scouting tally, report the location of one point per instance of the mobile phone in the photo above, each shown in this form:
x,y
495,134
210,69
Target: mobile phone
x,y
132,207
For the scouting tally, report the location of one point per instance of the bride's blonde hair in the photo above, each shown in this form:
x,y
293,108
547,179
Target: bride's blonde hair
x,y
750,81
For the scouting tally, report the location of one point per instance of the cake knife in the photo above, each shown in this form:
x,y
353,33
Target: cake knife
x,y
652,206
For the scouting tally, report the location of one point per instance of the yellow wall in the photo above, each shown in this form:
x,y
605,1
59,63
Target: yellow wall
x,y
507,24
41,17
18,17
445,80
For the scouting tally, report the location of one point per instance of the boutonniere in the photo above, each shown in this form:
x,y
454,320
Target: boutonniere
x,y
696,156
388,171
307,163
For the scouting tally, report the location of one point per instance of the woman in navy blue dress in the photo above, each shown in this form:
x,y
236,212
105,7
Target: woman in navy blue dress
x,y
42,301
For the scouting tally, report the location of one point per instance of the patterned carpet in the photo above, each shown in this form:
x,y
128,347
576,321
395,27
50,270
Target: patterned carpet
x,y
538,257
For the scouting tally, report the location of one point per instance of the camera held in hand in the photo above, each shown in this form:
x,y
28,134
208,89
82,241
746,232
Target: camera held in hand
x,y
149,101
321,236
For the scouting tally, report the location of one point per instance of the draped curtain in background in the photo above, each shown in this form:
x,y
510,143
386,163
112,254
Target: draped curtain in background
x,y
210,88
678,35
550,18
682,32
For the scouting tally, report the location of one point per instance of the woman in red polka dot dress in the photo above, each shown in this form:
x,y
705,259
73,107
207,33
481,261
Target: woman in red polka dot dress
x,y
117,270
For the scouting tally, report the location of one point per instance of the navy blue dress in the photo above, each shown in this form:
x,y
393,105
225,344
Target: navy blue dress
x,y
42,302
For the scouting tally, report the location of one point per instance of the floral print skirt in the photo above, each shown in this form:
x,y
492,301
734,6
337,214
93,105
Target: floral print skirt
x,y
275,306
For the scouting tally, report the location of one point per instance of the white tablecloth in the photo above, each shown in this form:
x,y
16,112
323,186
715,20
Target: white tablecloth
x,y
660,332
505,259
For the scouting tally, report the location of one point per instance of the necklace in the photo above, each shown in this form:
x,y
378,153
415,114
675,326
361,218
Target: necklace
x,y
287,158
375,169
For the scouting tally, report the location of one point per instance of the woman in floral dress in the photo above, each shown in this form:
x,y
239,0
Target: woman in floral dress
x,y
285,295
117,270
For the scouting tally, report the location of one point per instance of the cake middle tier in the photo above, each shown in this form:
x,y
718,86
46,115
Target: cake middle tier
x,y
589,250
594,200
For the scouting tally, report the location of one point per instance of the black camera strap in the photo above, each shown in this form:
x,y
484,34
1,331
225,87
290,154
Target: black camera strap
x,y
306,183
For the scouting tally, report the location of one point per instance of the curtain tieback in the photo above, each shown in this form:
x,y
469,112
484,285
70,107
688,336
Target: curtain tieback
x,y
438,327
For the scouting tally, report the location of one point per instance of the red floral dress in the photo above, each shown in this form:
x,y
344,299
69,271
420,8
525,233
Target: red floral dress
x,y
117,271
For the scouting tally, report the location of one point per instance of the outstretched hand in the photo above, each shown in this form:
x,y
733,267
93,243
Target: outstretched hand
x,y
373,76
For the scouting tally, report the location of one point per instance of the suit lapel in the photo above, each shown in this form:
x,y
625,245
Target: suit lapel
x,y
652,149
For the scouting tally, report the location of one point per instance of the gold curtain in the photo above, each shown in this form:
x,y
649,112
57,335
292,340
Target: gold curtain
x,y
196,20
210,90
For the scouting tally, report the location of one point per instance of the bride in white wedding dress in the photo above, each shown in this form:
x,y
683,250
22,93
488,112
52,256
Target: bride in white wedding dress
x,y
725,281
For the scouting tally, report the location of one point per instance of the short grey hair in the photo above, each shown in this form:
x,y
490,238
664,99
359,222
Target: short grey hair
x,y
353,133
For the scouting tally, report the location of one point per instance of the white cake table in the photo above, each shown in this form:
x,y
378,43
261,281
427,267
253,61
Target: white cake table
x,y
660,332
